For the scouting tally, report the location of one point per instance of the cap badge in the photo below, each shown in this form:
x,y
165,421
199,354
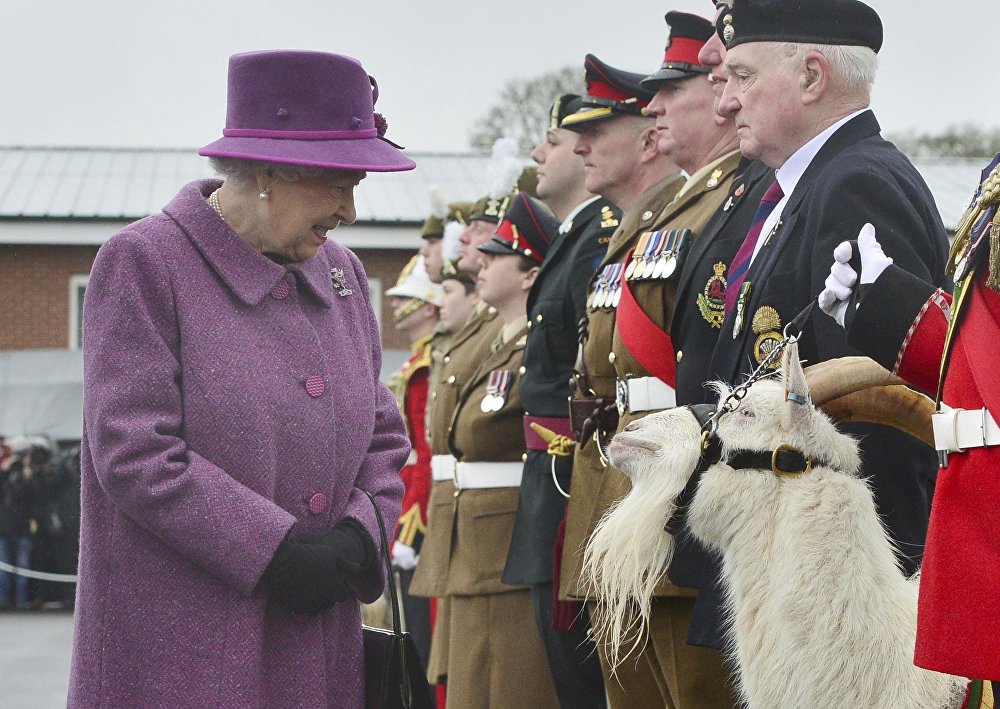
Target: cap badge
x,y
729,32
713,181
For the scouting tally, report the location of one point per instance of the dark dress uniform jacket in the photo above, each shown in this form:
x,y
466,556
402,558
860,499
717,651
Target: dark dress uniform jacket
x,y
458,365
588,470
856,177
557,301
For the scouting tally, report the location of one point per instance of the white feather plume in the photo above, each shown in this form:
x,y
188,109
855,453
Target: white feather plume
x,y
450,244
504,169
439,207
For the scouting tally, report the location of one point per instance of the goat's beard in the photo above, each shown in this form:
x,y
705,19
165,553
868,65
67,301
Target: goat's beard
x,y
629,551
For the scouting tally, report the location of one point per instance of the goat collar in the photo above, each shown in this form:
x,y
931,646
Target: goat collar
x,y
783,460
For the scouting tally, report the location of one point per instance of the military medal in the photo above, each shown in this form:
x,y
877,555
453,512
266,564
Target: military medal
x,y
504,379
617,284
712,299
741,305
636,254
664,254
655,249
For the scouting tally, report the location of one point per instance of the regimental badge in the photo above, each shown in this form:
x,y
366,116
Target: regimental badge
x,y
728,32
608,218
497,388
713,181
340,282
712,299
734,197
767,326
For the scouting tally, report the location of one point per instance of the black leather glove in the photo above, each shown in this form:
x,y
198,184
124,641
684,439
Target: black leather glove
x,y
312,573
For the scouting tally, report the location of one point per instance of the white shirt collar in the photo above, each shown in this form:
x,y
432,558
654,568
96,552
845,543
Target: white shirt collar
x,y
789,174
568,221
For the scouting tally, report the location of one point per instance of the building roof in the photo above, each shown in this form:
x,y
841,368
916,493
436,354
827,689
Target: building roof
x,y
127,183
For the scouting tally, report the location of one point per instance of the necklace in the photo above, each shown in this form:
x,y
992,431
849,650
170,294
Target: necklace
x,y
213,202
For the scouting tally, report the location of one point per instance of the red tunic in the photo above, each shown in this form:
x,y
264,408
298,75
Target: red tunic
x,y
958,618
416,474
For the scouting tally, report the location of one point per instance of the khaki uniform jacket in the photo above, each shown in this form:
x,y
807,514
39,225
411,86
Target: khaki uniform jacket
x,y
481,521
692,210
454,369
588,470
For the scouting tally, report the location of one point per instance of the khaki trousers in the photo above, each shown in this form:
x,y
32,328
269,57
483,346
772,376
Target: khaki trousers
x,y
495,656
668,672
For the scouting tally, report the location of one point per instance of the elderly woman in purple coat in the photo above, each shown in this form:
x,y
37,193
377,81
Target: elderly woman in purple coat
x,y
233,416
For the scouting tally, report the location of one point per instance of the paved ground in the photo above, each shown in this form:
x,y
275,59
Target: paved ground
x,y
34,659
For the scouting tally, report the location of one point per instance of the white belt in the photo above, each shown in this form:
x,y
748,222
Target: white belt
x,y
644,394
956,430
484,475
442,467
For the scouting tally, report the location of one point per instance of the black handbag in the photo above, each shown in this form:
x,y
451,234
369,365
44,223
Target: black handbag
x,y
394,675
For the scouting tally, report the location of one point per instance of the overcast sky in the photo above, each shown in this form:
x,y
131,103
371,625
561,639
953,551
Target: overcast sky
x,y
152,73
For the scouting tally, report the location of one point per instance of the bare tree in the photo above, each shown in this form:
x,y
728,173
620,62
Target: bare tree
x,y
522,111
965,141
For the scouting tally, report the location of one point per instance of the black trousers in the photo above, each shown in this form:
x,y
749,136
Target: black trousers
x,y
576,669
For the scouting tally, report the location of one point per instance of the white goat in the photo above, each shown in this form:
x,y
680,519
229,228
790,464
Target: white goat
x,y
819,613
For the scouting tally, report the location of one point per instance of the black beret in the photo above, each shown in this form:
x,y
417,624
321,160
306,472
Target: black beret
x,y
843,22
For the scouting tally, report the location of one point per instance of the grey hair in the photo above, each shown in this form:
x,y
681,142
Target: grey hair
x,y
243,173
854,66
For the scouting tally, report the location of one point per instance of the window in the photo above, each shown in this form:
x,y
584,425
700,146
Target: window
x,y
77,287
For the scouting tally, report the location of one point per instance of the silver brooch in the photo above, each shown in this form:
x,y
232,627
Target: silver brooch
x,y
339,282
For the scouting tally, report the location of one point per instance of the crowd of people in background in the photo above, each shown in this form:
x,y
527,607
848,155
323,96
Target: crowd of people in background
x,y
39,522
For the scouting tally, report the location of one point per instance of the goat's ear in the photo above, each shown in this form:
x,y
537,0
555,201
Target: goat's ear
x,y
796,413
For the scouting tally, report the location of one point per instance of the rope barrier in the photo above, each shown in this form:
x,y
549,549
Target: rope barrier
x,y
39,575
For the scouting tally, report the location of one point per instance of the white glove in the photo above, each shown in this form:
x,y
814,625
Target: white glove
x,y
833,300
404,556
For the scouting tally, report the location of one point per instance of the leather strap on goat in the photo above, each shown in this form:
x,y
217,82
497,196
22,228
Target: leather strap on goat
x,y
783,460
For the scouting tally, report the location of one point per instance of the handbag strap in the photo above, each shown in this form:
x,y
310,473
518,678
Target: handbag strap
x,y
397,628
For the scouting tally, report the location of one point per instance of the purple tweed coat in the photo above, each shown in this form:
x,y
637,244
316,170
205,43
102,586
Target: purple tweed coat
x,y
229,401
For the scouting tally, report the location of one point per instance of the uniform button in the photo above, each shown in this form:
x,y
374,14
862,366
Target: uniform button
x,y
539,317
529,324
281,290
447,358
451,379
680,356
315,386
434,395
524,457
611,357
522,370
318,503
492,310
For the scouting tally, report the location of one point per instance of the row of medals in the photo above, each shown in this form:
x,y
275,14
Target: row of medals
x,y
496,390
654,257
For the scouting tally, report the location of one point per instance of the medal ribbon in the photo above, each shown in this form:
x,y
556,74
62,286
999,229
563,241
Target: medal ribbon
x,y
651,346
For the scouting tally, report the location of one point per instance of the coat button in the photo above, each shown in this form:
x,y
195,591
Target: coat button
x,y
451,379
522,370
315,386
680,356
539,317
434,395
281,290
318,503
447,358
611,357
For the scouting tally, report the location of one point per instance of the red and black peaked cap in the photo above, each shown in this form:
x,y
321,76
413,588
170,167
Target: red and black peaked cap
x,y
527,229
688,34
610,92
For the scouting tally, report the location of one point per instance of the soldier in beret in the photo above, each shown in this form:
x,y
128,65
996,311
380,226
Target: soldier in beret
x,y
556,303
415,301
443,218
495,654
798,87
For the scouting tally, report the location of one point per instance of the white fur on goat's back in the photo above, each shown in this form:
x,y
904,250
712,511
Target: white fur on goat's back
x,y
629,551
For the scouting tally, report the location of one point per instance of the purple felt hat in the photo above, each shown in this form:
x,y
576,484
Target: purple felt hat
x,y
305,108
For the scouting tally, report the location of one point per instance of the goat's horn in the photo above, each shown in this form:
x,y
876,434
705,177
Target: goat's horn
x,y
858,389
835,378
896,405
